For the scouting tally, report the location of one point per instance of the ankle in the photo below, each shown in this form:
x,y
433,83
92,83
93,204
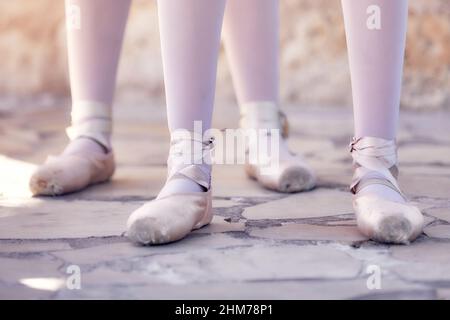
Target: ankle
x,y
259,115
381,191
91,120
85,146
178,186
189,164
375,164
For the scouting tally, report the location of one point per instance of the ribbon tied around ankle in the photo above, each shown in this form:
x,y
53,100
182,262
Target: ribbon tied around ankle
x,y
187,157
375,160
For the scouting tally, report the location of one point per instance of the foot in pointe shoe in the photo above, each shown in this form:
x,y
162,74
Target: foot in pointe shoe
x,y
174,214
87,160
292,173
73,170
383,213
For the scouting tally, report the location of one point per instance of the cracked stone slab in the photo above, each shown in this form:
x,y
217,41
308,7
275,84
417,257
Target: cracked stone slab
x,y
424,261
105,283
440,213
439,231
425,185
329,178
403,294
254,263
12,143
425,251
313,122
128,183
92,256
13,270
222,203
312,204
443,294
320,150
313,146
342,222
432,125
296,231
220,225
427,203
100,286
20,246
427,272
428,220
96,254
141,150
222,260
425,169
424,154
47,218
22,292
134,183
231,181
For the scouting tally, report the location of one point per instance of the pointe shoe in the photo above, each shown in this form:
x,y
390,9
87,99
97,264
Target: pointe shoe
x,y
375,162
292,174
71,172
171,218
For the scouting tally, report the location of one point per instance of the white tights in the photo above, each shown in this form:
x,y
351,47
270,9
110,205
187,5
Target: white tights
x,y
376,32
190,40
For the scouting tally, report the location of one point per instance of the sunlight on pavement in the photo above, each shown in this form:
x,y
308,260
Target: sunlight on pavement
x,y
48,284
14,176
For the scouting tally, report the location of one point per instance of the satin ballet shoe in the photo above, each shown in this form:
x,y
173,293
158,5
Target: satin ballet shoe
x,y
71,172
386,221
75,171
291,172
291,175
172,217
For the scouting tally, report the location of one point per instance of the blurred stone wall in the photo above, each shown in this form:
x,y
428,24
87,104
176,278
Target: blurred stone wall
x,y
314,62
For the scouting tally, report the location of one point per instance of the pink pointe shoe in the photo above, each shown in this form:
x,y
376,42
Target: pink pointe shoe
x,y
292,174
75,170
172,217
383,220
71,172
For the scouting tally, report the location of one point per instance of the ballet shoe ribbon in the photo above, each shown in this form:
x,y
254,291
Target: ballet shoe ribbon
x,y
188,152
375,160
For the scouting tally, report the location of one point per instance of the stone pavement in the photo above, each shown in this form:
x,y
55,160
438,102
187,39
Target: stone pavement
x,y
261,245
